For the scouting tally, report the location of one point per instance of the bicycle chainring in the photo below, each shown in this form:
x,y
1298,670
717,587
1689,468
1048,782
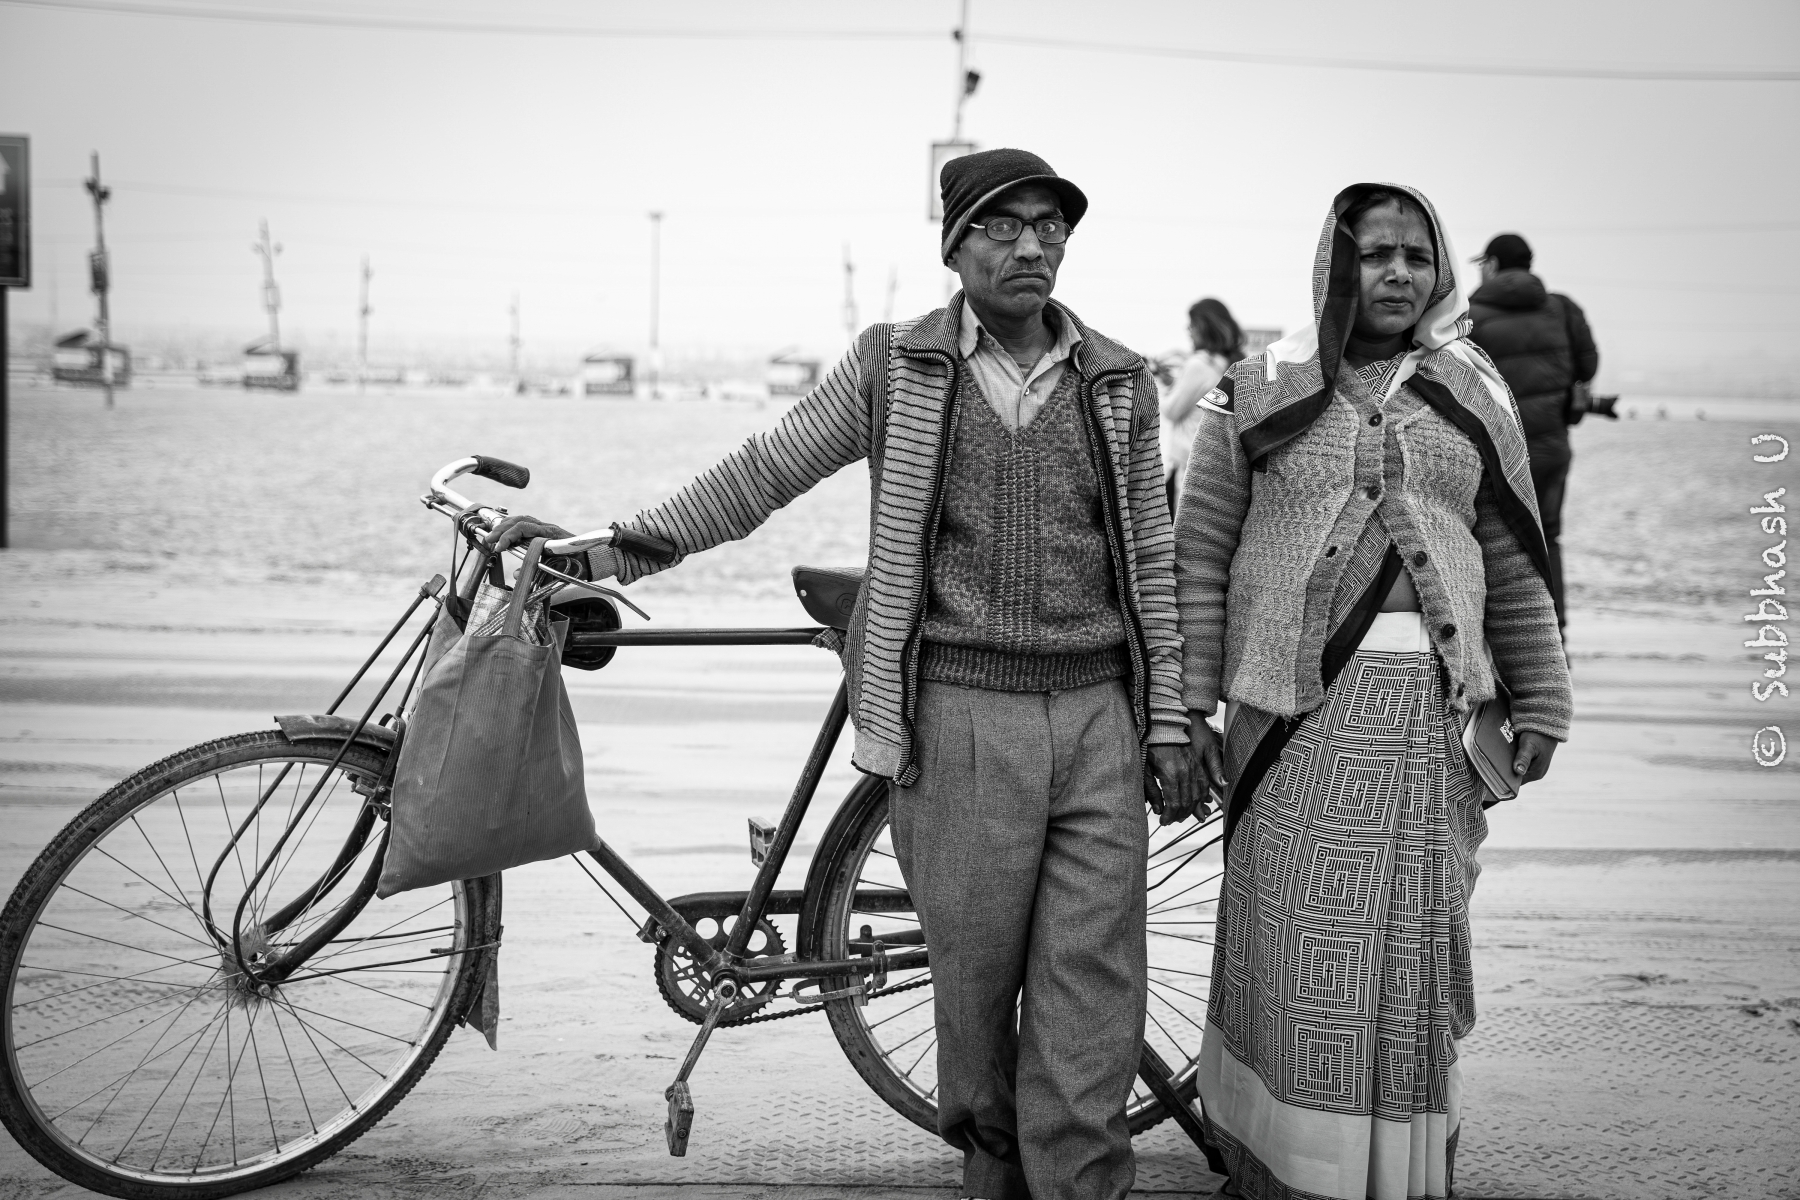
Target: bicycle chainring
x,y
680,983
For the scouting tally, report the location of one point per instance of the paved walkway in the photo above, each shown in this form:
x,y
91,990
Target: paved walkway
x,y
1637,937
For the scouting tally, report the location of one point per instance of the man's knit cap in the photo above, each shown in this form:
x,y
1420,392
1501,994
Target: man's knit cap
x,y
973,181
1509,251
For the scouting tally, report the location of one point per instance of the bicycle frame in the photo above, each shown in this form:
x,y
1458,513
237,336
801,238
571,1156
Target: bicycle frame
x,y
665,916
718,965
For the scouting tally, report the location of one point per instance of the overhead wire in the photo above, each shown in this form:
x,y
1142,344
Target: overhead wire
x,y
375,22
735,207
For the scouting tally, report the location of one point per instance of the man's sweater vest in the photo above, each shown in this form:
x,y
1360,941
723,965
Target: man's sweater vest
x,y
1023,593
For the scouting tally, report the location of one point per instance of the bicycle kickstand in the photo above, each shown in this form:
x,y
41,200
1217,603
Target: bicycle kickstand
x,y
680,1098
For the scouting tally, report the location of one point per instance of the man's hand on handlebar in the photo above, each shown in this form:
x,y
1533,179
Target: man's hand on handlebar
x,y
516,531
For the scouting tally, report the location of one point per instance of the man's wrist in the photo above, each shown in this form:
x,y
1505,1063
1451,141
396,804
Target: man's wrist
x,y
1166,733
602,564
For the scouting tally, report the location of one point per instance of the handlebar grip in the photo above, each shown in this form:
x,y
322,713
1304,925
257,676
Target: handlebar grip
x,y
647,545
500,471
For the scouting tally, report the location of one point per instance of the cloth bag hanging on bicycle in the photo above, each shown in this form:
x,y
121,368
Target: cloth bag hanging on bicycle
x,y
490,770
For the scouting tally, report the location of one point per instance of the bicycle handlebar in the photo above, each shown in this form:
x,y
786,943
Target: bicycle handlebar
x,y
501,472
443,498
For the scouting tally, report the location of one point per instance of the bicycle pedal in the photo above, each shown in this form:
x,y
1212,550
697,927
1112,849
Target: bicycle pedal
x,y
681,1118
762,840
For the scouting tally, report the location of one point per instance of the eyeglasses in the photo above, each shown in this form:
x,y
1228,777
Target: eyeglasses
x,y
1052,231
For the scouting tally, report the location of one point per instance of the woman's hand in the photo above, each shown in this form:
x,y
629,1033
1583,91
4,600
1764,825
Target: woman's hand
x,y
1206,752
1531,761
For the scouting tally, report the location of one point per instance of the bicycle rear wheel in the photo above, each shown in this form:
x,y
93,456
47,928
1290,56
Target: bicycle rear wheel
x,y
137,1059
892,1040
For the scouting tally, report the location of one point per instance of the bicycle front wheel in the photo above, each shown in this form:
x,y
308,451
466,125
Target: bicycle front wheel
x,y
136,1056
892,1039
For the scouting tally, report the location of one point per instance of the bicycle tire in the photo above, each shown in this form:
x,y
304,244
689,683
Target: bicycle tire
x,y
97,856
1185,871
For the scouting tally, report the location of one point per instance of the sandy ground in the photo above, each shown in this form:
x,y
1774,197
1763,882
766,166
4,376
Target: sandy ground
x,y
1637,925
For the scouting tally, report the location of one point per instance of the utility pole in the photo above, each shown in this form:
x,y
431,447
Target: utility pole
x,y
513,343
362,327
656,305
887,314
849,297
271,293
100,273
966,80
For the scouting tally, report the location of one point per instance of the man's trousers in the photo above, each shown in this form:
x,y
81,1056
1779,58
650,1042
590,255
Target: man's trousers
x,y
1023,844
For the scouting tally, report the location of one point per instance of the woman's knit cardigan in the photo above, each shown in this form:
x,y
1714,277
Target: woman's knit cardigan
x,y
1267,561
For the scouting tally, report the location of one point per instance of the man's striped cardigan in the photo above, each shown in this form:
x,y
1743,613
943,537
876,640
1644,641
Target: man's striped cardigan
x,y
906,437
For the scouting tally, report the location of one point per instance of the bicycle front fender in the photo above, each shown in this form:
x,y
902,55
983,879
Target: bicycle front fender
x,y
321,727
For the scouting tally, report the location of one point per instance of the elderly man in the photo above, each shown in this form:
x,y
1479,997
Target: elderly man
x,y
1013,661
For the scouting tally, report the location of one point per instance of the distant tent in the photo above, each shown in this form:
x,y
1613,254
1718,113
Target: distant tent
x,y
270,368
77,358
607,374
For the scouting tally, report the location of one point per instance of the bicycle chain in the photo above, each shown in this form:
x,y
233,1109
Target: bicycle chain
x,y
808,1008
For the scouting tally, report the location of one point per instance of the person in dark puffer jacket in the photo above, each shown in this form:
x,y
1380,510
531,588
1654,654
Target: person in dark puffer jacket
x,y
1541,343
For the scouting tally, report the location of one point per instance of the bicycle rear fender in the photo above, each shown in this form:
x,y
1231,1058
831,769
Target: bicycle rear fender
x,y
869,790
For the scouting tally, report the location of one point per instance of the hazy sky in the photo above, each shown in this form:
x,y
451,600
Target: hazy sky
x,y
471,164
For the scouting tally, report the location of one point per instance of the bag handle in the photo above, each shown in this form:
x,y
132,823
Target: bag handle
x,y
515,608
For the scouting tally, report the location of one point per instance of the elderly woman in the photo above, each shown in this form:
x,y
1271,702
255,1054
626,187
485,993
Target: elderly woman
x,y
1358,562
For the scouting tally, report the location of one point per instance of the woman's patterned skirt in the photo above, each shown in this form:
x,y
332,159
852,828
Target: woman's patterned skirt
x,y
1341,979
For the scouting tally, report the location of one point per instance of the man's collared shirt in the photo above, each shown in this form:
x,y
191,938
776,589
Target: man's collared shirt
x,y
1016,396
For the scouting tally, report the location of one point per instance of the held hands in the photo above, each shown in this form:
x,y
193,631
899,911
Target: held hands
x,y
1531,761
1181,778
1171,786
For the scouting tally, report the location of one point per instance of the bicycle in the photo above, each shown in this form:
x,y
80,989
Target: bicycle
x,y
203,994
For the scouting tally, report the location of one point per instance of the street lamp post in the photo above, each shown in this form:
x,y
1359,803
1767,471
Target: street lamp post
x,y
513,343
850,324
271,293
362,327
656,305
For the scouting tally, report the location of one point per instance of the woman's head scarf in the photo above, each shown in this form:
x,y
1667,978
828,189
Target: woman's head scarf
x,y
1279,394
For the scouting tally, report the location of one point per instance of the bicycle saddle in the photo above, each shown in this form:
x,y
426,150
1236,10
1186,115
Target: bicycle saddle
x,y
829,593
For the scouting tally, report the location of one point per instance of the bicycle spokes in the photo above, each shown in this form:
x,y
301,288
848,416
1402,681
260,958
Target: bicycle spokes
x,y
136,1036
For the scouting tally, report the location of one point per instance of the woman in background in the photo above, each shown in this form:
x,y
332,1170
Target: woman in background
x,y
1218,343
1357,558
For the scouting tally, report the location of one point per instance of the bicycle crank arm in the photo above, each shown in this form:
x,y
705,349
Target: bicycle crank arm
x,y
681,1099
